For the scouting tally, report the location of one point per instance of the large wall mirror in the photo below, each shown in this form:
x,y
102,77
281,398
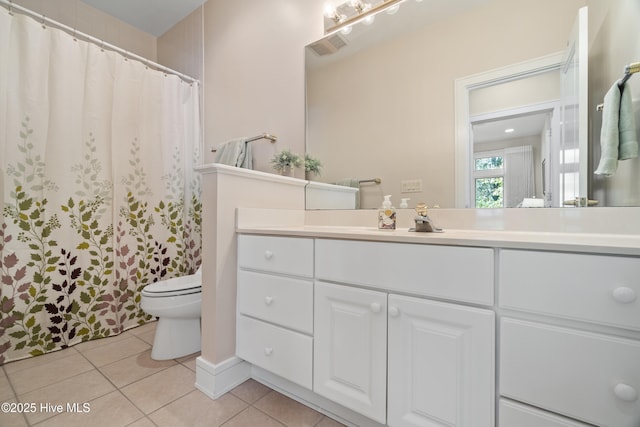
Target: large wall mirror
x,y
382,107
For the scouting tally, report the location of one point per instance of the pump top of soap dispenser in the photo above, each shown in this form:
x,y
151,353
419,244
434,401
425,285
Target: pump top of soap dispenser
x,y
387,202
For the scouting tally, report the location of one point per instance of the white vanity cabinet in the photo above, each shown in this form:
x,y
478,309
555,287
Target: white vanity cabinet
x,y
275,305
350,352
569,341
439,357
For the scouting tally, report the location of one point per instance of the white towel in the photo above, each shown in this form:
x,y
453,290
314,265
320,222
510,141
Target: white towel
x,y
618,140
235,152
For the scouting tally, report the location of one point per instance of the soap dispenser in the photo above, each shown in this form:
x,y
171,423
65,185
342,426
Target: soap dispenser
x,y
387,215
403,203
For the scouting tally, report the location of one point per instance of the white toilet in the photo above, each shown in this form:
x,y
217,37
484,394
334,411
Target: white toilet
x,y
177,304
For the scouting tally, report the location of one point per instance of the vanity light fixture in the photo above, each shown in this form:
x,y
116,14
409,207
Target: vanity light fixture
x,y
332,13
351,11
509,130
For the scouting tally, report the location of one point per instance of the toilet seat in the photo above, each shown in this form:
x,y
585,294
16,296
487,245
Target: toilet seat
x,y
177,286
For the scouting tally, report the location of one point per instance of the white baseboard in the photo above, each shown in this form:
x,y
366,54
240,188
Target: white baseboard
x,y
214,380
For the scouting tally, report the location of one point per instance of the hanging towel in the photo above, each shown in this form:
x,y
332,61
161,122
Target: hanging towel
x,y
618,140
627,126
235,152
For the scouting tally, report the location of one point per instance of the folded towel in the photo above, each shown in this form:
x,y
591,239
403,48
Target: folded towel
x,y
235,152
618,140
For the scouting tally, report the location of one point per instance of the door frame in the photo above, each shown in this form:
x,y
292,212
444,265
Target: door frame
x,y
463,87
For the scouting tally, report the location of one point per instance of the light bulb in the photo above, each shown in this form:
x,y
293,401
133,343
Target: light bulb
x,y
369,20
329,11
393,9
346,30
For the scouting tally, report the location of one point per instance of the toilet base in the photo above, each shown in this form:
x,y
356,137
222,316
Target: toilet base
x,y
176,338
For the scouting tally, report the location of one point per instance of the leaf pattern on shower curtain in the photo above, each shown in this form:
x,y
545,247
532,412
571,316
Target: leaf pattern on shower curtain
x,y
87,291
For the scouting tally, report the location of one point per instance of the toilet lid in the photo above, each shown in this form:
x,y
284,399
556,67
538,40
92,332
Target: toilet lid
x,y
177,285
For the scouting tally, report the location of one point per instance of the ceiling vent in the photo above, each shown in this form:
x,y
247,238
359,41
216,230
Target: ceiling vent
x,y
328,45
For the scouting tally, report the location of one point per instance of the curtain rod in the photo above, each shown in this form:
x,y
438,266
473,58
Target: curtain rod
x,y
39,17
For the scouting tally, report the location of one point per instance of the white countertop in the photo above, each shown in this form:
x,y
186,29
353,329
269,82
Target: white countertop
x,y
573,242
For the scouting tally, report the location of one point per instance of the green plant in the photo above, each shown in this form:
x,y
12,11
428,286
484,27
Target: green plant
x,y
285,159
312,165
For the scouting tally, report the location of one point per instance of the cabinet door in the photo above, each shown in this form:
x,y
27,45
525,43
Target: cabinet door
x,y
441,364
350,348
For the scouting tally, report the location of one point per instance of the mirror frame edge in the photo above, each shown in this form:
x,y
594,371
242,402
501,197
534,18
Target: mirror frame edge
x,y
463,86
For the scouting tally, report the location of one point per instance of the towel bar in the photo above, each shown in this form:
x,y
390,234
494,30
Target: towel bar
x,y
268,136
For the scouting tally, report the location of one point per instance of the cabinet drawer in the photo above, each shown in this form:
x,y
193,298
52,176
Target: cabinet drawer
x,y
587,376
286,255
513,414
458,273
283,300
592,288
283,352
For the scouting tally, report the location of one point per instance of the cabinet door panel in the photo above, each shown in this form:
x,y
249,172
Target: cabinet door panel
x,y
441,364
350,346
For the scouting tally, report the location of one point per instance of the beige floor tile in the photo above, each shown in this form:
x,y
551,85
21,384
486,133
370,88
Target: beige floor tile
x,y
115,350
143,329
79,389
251,391
38,376
196,409
134,368
328,422
90,345
161,388
288,411
6,392
142,422
251,417
12,419
189,361
146,332
111,410
32,362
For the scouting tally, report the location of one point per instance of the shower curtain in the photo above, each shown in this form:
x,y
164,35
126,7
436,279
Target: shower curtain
x,y
98,191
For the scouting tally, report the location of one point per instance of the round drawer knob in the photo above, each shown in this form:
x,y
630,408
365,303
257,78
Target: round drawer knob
x,y
375,307
393,311
268,351
268,254
268,300
625,392
624,295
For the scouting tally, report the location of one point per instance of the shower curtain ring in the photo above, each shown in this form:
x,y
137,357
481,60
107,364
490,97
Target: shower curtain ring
x,y
75,39
44,27
101,45
10,8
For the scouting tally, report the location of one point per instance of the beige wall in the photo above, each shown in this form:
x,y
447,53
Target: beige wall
x,y
614,43
409,91
254,71
86,19
181,47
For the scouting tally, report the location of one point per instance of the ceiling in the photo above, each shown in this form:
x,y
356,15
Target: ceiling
x,y
151,16
525,125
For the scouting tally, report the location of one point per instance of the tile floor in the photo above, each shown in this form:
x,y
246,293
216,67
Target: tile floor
x,y
123,386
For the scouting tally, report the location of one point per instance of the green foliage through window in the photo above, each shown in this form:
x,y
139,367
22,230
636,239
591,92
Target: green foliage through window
x,y
490,192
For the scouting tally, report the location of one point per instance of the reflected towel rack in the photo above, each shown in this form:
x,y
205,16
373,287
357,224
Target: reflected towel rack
x,y
376,180
268,136
629,70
